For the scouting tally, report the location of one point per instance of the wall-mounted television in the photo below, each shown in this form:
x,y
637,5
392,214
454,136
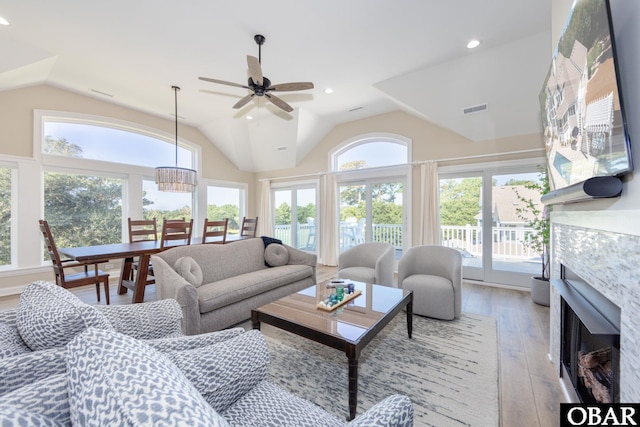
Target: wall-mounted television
x,y
581,103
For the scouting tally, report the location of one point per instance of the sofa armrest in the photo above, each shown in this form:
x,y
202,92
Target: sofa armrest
x,y
298,257
170,285
394,411
8,317
157,319
224,372
191,342
28,368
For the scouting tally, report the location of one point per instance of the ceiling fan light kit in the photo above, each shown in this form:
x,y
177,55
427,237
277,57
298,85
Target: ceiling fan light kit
x,y
260,85
173,178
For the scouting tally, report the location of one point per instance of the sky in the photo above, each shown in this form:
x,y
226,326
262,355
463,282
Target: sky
x,y
108,144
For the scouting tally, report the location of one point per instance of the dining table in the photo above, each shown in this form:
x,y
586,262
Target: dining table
x,y
143,249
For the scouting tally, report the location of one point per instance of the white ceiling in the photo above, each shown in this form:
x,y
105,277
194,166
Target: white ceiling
x,y
376,55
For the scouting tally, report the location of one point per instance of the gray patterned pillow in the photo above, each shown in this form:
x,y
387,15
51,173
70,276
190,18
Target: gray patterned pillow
x,y
117,380
188,268
276,255
10,342
49,316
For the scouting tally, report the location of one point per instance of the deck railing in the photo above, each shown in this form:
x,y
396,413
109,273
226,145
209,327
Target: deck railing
x,y
507,242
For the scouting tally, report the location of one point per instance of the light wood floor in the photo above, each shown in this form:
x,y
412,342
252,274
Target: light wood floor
x,y
530,394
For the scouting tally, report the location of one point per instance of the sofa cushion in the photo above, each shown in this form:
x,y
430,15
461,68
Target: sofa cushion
x,y
267,401
118,380
188,268
49,316
47,397
225,371
212,296
276,255
11,343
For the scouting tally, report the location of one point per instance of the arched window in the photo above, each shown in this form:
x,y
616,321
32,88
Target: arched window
x,y
111,141
371,191
371,151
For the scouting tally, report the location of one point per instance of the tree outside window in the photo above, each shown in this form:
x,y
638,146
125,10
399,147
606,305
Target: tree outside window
x,y
81,209
5,216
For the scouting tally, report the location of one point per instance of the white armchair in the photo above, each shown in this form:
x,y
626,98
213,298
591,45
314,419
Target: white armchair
x,y
434,274
368,262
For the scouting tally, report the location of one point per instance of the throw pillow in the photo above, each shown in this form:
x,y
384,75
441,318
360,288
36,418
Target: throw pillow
x,y
49,316
118,380
276,255
188,268
10,342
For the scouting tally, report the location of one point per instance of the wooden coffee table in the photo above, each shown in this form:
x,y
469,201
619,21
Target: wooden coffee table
x,y
349,328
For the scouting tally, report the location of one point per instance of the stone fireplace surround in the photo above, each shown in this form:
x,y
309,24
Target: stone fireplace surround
x,y
610,262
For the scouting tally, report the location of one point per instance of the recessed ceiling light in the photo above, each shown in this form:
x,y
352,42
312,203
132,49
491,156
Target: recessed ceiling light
x,y
249,117
473,44
328,90
3,21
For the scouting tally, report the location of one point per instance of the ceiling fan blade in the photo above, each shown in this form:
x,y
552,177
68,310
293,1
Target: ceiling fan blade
x,y
255,69
279,102
288,87
243,101
222,82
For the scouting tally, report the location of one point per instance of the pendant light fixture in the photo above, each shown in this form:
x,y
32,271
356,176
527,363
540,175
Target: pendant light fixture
x,y
172,178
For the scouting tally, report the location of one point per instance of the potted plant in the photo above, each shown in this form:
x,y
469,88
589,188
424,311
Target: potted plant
x,y
538,239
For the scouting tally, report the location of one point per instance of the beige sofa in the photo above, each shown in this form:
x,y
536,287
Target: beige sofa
x,y
218,285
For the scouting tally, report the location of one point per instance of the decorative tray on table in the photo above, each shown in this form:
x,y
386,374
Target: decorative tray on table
x,y
347,297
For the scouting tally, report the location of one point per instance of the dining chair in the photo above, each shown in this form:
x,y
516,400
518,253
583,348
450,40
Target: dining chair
x,y
176,232
249,227
72,280
142,230
215,229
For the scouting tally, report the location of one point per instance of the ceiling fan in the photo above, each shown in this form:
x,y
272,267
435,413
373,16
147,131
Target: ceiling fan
x,y
260,85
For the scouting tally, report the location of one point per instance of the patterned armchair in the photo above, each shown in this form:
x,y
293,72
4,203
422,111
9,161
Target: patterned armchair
x,y
104,377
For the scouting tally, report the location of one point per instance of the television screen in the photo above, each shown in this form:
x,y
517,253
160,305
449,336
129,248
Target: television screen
x,y
582,112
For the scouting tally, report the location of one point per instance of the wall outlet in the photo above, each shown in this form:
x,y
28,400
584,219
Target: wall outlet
x,y
109,266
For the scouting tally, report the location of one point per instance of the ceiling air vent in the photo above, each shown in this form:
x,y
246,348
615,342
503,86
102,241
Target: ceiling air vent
x,y
476,108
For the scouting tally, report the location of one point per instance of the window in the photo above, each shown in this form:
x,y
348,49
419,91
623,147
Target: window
x,y
160,205
226,202
372,208
97,173
83,210
295,216
370,152
6,183
479,216
108,143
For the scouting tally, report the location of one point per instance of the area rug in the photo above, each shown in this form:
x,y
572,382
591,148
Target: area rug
x,y
448,369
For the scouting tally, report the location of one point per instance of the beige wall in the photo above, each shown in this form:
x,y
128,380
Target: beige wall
x,y
16,126
429,142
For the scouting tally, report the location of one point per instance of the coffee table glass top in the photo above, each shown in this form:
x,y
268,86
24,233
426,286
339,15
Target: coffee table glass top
x,y
348,322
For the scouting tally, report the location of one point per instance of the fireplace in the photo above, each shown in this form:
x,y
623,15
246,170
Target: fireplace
x,y
589,341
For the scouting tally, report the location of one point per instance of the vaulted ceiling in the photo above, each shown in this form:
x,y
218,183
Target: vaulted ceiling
x,y
376,55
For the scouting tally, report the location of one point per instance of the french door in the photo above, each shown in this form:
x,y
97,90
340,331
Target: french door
x,y
481,215
372,211
295,219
